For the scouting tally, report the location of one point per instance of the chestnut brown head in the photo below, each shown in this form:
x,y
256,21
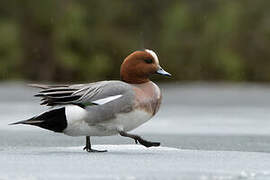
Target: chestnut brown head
x,y
139,66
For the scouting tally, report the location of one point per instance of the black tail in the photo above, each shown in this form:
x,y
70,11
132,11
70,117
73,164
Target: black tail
x,y
54,120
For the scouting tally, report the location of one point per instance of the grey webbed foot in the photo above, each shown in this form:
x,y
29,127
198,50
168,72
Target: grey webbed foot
x,y
88,146
139,139
93,150
148,143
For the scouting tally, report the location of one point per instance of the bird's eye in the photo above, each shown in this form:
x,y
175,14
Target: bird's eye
x,y
148,61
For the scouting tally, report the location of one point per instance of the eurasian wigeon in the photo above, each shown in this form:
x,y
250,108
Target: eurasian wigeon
x,y
104,108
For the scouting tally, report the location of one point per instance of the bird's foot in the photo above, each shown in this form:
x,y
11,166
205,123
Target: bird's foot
x,y
139,139
93,150
147,143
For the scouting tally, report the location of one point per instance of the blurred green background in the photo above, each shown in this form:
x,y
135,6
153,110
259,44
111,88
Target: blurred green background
x,y
80,40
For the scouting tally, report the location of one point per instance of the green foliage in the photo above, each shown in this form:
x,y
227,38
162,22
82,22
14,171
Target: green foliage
x,y
87,40
9,50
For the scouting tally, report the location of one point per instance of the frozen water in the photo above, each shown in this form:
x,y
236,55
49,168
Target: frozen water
x,y
131,162
217,132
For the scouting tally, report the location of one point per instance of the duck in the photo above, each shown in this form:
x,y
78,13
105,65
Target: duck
x,y
104,108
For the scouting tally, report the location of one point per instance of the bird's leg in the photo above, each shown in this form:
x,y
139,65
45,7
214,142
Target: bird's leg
x,y
139,139
88,146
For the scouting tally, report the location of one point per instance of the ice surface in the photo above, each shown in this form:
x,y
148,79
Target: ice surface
x,y
131,162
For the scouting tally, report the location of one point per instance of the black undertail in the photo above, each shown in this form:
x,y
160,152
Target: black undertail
x,y
54,120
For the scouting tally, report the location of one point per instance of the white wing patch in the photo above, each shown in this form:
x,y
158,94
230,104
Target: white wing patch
x,y
153,54
106,100
74,113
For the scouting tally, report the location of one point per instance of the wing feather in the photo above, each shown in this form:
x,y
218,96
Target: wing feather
x,y
81,94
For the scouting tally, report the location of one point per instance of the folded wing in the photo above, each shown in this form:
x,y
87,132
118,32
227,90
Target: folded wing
x,y
82,94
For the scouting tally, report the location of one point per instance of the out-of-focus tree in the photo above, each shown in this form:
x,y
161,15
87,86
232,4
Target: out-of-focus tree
x,y
10,49
36,20
78,40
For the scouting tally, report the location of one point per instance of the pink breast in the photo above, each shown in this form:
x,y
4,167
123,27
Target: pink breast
x,y
148,97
